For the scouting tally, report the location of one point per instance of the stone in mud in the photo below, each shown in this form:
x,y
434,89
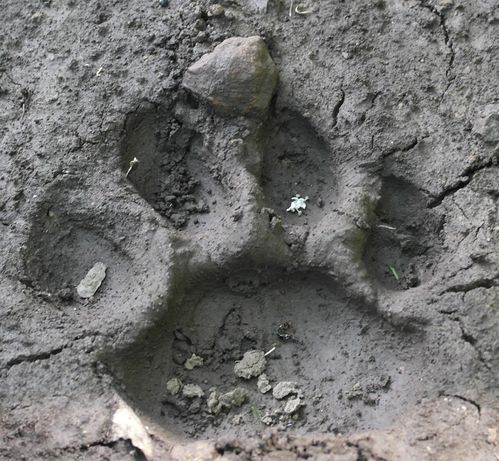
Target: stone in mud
x,y
92,281
234,398
284,389
263,384
487,124
252,365
193,361
191,391
173,386
237,78
293,405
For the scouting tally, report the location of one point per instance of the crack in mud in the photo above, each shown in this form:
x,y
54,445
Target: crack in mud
x,y
465,287
447,40
461,182
337,107
23,358
46,355
411,145
470,339
470,401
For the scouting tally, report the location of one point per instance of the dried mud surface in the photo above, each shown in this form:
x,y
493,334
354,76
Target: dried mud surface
x,y
380,302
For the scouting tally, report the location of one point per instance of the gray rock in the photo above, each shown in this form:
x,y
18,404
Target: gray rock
x,y
293,405
237,78
191,391
284,389
487,124
92,281
173,386
252,365
193,361
263,384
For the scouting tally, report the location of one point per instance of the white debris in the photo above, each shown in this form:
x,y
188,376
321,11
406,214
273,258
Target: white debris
x,y
252,365
285,388
128,426
293,405
191,391
173,386
298,204
92,281
217,402
193,362
263,384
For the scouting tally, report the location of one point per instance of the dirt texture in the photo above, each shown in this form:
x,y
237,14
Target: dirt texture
x,y
160,297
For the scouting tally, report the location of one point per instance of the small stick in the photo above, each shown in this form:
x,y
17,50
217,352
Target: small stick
x,y
384,226
291,8
303,12
269,352
133,162
394,273
99,71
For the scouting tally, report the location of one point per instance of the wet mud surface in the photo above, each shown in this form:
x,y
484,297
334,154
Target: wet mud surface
x,y
153,151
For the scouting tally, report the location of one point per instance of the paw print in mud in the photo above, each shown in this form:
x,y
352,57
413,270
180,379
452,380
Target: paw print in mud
x,y
287,288
241,278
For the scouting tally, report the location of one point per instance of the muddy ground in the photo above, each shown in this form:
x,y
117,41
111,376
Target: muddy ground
x,y
379,302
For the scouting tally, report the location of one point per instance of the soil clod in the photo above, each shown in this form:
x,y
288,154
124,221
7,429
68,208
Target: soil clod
x,y
251,365
285,389
263,384
173,386
191,391
194,361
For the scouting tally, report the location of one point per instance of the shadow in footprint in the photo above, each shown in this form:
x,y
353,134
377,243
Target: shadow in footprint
x,y
405,242
171,173
297,161
355,371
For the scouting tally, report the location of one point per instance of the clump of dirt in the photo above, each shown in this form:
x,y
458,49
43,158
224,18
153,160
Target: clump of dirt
x,y
349,369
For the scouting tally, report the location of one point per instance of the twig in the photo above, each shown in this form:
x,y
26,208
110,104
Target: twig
x,y
302,12
133,162
269,352
291,8
394,272
384,226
